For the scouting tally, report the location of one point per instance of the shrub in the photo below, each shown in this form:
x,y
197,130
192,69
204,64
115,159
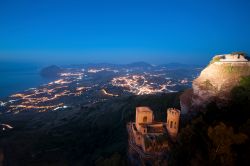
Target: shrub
x,y
215,59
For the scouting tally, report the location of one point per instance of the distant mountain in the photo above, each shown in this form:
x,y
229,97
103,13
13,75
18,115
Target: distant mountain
x,y
179,66
101,65
51,71
111,65
139,64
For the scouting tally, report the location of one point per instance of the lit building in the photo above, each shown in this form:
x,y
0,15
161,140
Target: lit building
x,y
152,136
235,57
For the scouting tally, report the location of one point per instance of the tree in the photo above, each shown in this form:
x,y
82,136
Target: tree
x,y
115,159
222,138
215,59
241,94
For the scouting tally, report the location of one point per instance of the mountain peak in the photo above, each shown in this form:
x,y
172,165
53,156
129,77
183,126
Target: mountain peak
x,y
217,80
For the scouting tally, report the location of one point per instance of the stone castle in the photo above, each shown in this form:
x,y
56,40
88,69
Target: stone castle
x,y
234,57
149,138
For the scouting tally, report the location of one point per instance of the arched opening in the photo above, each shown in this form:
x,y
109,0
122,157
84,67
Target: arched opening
x,y
171,124
145,119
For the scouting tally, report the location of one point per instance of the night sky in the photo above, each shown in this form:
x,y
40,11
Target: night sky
x,y
158,32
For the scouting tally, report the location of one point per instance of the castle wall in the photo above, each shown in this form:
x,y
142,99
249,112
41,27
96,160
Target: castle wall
x,y
138,138
233,58
143,130
147,133
143,146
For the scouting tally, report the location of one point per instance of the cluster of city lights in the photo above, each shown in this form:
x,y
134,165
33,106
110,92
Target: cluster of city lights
x,y
73,83
93,70
139,85
46,97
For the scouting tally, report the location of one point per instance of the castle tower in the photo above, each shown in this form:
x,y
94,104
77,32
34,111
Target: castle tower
x,y
144,115
173,119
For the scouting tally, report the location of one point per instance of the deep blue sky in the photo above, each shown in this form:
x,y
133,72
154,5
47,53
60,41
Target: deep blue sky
x,y
58,31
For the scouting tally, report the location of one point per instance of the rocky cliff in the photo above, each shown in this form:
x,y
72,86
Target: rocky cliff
x,y
214,84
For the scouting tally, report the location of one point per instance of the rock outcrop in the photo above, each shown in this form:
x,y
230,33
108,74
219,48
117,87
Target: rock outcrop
x,y
214,84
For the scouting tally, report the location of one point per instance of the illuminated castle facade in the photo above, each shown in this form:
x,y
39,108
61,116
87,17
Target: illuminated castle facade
x,y
235,57
152,136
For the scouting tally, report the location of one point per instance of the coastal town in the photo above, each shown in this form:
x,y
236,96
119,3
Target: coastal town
x,y
89,86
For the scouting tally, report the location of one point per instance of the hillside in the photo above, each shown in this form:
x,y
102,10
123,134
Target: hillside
x,y
215,83
79,135
217,129
217,135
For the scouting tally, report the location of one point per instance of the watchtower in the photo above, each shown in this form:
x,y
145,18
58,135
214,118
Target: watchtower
x,y
173,119
144,115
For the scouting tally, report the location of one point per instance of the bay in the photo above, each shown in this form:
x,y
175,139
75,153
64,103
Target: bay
x,y
17,77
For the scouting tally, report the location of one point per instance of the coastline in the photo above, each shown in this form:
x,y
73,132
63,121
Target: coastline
x,y
19,81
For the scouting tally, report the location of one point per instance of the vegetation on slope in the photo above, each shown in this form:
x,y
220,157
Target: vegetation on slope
x,y
217,136
215,59
241,93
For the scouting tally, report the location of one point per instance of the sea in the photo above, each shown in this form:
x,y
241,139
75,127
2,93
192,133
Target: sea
x,y
17,77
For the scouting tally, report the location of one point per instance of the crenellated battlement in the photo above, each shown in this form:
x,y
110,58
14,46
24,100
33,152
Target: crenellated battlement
x,y
234,57
152,136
